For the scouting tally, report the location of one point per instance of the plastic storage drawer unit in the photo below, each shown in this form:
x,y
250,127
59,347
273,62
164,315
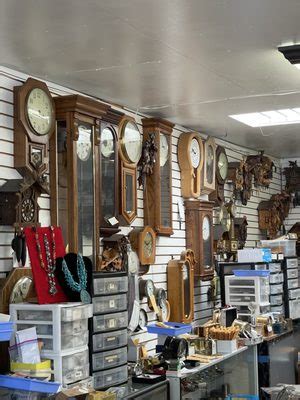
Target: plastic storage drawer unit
x,y
114,285
109,359
291,262
292,273
111,377
102,323
108,304
109,340
292,283
276,289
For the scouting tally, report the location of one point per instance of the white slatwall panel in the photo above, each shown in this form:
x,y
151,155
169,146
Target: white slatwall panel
x,y
166,247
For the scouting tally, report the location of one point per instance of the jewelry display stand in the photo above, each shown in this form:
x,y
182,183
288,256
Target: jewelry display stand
x,y
39,272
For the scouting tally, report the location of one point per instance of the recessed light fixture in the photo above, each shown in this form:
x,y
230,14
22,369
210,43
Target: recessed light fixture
x,y
291,53
269,118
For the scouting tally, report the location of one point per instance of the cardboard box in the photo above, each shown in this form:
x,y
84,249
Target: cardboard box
x,y
102,396
226,346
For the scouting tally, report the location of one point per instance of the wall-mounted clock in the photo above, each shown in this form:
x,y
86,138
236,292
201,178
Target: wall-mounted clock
x,y
190,158
158,186
75,173
109,166
199,236
209,167
221,175
34,123
180,278
130,150
144,242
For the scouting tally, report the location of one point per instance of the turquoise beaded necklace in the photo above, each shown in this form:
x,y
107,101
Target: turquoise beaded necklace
x,y
82,277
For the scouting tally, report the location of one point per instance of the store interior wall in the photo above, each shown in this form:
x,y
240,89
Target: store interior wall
x,y
167,247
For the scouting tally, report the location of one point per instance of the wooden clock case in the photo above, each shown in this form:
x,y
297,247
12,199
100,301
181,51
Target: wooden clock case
x,y
137,239
158,189
195,212
218,195
209,176
190,176
180,277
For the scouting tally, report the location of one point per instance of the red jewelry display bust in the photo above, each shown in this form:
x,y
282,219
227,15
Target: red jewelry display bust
x,y
39,270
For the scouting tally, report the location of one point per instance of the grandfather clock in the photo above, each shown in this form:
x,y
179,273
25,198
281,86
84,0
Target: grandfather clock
x,y
75,172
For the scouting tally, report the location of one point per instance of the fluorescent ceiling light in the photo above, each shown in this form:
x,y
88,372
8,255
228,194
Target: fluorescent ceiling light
x,y
269,118
297,66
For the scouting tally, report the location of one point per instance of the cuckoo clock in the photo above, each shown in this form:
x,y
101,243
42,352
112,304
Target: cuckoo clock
x,y
190,158
158,186
34,123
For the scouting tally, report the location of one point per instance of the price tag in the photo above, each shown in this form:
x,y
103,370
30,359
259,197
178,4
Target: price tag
x,y
112,304
112,286
111,338
112,323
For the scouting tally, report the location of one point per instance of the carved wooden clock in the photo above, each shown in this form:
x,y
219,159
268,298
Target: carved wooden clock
x,y
158,188
221,175
209,167
144,242
109,167
34,123
190,158
75,173
180,278
130,150
199,236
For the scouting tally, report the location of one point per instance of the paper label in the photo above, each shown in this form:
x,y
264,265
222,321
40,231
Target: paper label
x,y
112,323
112,303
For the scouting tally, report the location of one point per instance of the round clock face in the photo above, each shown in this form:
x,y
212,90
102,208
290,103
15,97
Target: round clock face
x,y
20,290
223,165
195,153
210,164
133,262
149,288
206,228
84,145
107,143
27,210
132,141
148,245
39,111
163,150
165,310
143,319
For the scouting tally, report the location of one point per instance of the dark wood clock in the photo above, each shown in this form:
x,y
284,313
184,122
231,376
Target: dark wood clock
x,y
180,278
75,173
221,175
190,158
199,236
109,167
209,166
34,123
130,151
158,186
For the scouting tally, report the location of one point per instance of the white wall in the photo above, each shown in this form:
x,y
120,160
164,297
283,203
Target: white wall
x,y
166,247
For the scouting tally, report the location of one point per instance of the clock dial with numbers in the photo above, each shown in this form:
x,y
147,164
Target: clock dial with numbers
x,y
144,242
27,210
131,141
107,142
39,111
222,165
84,145
164,150
206,228
195,153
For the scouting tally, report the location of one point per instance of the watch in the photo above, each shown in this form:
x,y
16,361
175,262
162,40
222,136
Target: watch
x,y
39,111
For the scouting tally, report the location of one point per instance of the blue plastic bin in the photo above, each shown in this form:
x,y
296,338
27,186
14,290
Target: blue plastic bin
x,y
31,385
6,326
5,335
176,328
251,272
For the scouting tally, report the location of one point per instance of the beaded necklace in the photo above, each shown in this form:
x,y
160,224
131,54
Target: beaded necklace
x,y
82,277
49,268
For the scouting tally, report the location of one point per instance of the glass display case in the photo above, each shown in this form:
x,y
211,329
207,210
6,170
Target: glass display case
x,y
234,373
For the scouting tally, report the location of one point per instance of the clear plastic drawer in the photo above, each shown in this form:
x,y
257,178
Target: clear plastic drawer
x,y
292,283
294,306
274,267
110,377
109,359
67,328
276,289
67,341
292,273
292,262
74,313
294,294
108,322
276,278
34,315
71,361
79,373
276,300
118,284
109,340
278,309
107,304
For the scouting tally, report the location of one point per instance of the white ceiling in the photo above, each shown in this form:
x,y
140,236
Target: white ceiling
x,y
193,62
